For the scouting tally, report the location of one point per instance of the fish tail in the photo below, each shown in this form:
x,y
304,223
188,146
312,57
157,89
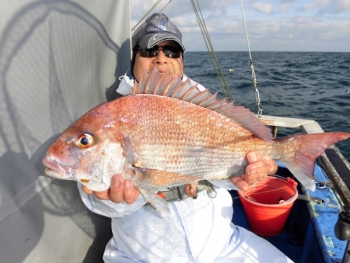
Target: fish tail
x,y
301,151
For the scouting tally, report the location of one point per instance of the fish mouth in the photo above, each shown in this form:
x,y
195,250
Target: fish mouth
x,y
55,169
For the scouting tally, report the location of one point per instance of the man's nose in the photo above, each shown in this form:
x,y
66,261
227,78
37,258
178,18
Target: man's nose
x,y
161,56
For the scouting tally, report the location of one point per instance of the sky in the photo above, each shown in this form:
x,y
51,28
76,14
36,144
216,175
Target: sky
x,y
272,25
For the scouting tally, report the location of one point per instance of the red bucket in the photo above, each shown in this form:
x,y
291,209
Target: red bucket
x,y
268,204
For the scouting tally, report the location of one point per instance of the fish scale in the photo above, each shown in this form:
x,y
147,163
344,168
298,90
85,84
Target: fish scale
x,y
215,143
159,141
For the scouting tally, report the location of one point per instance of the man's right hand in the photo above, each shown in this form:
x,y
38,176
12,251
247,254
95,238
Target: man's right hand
x,y
119,191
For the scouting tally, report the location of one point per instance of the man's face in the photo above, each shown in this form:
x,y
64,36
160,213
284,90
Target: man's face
x,y
161,62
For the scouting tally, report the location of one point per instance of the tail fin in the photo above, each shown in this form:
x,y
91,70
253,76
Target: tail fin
x,y
307,148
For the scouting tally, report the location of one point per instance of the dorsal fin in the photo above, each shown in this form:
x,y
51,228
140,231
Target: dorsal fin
x,y
167,85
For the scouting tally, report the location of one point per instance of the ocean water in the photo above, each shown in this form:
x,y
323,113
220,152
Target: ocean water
x,y
308,85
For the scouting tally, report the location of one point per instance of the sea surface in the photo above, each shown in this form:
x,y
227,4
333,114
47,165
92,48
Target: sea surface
x,y
307,85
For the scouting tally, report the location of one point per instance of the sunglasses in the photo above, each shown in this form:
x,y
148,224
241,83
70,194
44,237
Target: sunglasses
x,y
169,52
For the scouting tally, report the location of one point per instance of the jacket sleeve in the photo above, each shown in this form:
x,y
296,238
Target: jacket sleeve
x,y
109,208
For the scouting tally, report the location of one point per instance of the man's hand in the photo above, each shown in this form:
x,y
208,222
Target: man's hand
x,y
257,170
191,190
119,191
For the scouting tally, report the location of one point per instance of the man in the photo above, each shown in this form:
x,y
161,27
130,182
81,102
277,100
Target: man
x,y
198,229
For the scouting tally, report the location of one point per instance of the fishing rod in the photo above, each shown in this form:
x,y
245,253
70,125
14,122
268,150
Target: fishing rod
x,y
257,95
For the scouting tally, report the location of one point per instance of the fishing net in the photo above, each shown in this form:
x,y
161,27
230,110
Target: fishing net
x,y
58,59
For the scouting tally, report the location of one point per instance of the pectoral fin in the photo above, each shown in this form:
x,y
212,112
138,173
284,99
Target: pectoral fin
x,y
159,203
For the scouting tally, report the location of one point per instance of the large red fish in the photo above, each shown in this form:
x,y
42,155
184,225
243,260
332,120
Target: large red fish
x,y
168,133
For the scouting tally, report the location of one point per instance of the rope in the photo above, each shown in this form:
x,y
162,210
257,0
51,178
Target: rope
x,y
149,11
224,86
257,96
267,191
165,6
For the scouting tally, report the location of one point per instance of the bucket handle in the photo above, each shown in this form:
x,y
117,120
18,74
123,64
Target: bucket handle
x,y
288,179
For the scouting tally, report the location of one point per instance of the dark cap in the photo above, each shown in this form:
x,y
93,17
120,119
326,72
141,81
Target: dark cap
x,y
155,29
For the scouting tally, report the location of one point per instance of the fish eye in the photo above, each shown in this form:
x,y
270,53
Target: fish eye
x,y
84,141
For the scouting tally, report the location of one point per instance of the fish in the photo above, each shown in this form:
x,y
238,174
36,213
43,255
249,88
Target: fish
x,y
169,133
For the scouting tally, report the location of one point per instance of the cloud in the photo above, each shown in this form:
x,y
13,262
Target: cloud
x,y
287,1
315,5
287,34
337,7
178,7
284,8
272,25
299,34
262,8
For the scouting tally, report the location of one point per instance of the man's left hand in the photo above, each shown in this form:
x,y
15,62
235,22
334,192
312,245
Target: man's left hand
x,y
257,170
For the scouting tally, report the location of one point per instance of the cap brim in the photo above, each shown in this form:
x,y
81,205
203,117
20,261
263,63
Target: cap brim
x,y
150,40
